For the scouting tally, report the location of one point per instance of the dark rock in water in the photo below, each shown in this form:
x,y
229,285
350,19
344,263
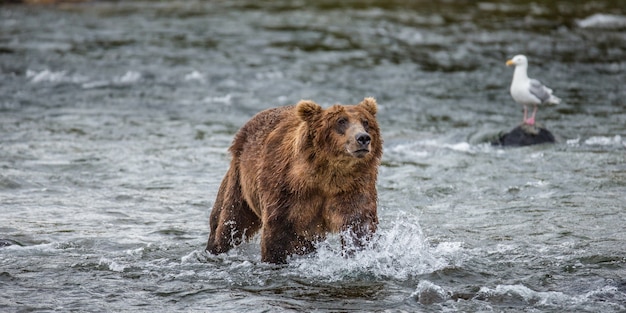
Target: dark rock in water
x,y
525,135
8,242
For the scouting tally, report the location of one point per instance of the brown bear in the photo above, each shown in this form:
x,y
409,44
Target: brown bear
x,y
299,172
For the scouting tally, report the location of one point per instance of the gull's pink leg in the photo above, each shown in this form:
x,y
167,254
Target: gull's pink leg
x,y
525,114
531,120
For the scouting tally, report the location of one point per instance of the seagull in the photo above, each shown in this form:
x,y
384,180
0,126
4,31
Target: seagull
x,y
527,91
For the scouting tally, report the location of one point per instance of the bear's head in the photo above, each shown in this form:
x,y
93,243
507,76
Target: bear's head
x,y
342,132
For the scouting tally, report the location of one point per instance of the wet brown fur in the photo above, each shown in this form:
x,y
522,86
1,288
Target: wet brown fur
x,y
299,172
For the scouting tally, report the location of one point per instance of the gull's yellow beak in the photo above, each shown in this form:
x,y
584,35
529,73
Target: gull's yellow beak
x,y
510,62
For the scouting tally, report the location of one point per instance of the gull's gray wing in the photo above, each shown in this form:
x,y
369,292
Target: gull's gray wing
x,y
540,91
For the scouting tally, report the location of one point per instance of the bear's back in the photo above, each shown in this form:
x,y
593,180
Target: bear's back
x,y
258,127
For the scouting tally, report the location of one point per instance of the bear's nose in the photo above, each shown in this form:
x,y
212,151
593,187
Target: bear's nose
x,y
363,139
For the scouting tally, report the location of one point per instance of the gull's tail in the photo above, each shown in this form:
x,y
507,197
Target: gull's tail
x,y
553,100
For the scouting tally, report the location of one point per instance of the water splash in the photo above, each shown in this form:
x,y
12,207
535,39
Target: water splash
x,y
399,252
428,293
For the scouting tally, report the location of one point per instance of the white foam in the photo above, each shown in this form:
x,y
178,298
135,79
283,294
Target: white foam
x,y
573,142
428,293
192,257
44,247
605,291
138,252
461,146
112,265
96,84
606,21
128,78
521,293
195,75
53,77
604,141
45,75
423,148
408,150
537,183
218,99
270,75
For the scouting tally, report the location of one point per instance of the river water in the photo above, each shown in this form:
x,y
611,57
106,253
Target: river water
x,y
115,119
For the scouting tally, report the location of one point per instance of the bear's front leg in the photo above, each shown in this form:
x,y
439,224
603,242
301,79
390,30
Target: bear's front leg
x,y
353,216
356,235
360,221
277,242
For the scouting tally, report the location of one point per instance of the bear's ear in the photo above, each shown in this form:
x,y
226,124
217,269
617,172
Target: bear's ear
x,y
307,110
370,105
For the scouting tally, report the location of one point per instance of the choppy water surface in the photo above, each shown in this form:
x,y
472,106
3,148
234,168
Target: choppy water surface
x,y
115,118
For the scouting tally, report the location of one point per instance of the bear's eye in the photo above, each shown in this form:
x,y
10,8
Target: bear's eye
x,y
366,125
342,125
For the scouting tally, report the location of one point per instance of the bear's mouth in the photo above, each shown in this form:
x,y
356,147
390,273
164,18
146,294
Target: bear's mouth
x,y
361,152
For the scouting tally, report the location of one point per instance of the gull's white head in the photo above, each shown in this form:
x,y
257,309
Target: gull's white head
x,y
517,60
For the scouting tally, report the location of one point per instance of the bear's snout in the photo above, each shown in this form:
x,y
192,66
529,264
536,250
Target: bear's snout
x,y
363,139
360,147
